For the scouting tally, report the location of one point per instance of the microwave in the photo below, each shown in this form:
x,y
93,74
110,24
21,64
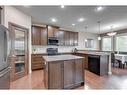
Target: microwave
x,y
53,41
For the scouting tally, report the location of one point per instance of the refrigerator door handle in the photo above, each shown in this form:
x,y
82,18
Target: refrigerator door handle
x,y
1,75
8,45
5,45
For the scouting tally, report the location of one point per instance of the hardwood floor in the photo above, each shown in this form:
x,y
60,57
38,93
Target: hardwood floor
x,y
33,81
92,81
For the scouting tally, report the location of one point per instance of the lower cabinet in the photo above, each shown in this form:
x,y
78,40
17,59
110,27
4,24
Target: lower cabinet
x,y
69,73
64,74
73,73
85,58
55,75
37,61
79,71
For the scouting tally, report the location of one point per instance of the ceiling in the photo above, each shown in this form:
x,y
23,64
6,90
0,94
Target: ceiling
x,y
115,16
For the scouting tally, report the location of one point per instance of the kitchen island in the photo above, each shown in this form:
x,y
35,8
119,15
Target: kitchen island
x,y
63,71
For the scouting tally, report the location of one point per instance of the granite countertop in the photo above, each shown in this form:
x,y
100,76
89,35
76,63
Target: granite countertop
x,y
60,57
93,53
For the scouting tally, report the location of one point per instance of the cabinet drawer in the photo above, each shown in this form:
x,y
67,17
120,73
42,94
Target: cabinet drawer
x,y
36,63
37,67
36,55
36,59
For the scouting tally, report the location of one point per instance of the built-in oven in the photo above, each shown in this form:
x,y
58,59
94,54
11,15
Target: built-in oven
x,y
53,41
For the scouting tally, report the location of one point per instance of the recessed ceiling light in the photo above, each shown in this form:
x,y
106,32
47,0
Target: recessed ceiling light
x,y
85,40
73,24
81,19
99,8
53,20
62,6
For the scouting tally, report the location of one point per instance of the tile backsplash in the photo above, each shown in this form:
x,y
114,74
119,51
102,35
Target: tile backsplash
x,y
42,49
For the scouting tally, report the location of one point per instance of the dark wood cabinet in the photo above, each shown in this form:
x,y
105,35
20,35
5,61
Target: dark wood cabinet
x,y
56,75
50,31
61,38
37,61
0,14
36,35
44,36
53,31
64,74
69,73
70,38
75,38
85,61
79,75
39,35
67,38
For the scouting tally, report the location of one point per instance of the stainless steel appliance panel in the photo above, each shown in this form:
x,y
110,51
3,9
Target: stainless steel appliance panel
x,y
5,44
3,48
5,78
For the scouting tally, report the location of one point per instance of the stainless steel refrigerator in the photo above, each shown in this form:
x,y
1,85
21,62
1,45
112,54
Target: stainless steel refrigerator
x,y
5,45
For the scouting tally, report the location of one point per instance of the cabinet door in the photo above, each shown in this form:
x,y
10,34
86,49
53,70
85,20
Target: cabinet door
x,y
0,14
37,61
61,38
71,38
44,36
67,38
36,35
55,75
50,31
55,32
75,38
79,71
68,73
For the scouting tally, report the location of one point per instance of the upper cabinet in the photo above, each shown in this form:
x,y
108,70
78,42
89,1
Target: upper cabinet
x,y
53,31
0,14
39,35
61,38
75,38
71,38
67,38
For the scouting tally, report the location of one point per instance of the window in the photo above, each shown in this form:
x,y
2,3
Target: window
x,y
89,43
106,44
121,42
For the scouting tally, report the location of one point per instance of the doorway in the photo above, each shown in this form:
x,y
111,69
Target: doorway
x,y
19,51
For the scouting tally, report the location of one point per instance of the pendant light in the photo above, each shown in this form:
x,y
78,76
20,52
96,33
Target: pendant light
x,y
111,33
99,38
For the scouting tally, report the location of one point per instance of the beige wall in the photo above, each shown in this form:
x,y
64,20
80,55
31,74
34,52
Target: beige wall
x,y
13,15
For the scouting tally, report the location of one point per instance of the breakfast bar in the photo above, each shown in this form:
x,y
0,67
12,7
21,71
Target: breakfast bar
x,y
63,71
